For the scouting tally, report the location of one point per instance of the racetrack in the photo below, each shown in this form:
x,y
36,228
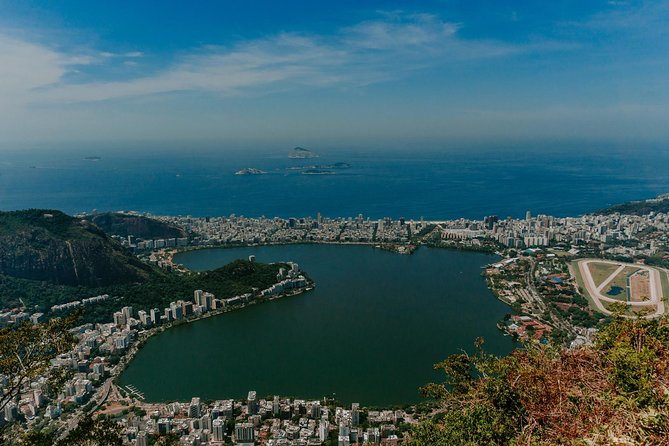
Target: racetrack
x,y
656,298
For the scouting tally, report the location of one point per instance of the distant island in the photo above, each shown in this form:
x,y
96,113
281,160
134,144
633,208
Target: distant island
x,y
325,166
302,153
93,158
250,171
317,172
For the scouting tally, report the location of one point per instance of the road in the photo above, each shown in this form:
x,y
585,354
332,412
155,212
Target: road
x,y
535,298
100,397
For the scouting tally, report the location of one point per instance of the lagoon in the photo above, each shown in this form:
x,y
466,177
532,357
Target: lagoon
x,y
369,332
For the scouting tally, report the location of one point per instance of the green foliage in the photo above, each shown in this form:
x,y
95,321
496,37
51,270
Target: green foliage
x,y
89,431
124,225
50,246
94,432
637,208
238,277
25,352
614,392
170,439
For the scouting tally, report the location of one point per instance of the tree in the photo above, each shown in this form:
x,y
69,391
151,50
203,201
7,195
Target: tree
x,y
613,392
170,439
91,431
25,352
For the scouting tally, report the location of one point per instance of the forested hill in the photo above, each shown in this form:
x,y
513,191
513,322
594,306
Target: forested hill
x,y
50,246
116,223
645,207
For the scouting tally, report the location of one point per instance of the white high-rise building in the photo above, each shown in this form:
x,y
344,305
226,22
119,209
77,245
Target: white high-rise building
x,y
218,429
244,434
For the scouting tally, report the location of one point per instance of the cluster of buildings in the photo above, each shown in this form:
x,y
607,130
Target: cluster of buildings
x,y
272,422
15,316
544,230
78,303
611,230
204,302
90,364
139,244
528,328
243,230
101,347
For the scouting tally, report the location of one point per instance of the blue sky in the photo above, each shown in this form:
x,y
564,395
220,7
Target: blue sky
x,y
345,73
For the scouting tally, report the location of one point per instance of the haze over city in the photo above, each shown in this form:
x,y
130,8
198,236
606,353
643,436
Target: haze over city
x,y
336,74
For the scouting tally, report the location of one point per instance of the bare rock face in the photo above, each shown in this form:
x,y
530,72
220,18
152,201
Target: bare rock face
x,y
51,246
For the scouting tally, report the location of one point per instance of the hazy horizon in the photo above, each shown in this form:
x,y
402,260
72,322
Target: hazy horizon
x,y
438,74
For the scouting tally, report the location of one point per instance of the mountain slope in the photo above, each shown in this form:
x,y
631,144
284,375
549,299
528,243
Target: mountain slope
x,y
123,225
48,245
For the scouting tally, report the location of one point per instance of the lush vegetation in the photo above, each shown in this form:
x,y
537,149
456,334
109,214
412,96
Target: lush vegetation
x,y
238,277
50,246
89,431
637,207
25,352
123,225
614,392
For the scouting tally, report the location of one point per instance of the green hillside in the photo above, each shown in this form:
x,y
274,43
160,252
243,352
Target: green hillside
x,y
645,207
50,246
116,223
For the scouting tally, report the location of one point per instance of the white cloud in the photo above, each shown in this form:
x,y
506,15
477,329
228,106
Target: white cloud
x,y
366,53
25,66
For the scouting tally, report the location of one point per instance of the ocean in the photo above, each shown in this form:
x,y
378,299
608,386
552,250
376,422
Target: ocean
x,y
434,184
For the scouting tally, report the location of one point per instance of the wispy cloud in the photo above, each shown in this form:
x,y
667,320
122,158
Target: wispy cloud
x,y
129,54
26,66
369,52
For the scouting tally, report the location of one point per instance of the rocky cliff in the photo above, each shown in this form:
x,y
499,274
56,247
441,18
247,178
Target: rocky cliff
x,y
48,245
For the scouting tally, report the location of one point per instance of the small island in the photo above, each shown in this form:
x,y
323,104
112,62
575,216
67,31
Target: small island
x,y
317,172
302,153
339,166
250,171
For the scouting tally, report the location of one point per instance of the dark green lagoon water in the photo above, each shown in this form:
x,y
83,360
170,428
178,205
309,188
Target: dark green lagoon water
x,y
369,332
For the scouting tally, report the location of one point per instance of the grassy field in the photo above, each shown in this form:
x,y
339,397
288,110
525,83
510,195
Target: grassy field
x,y
601,271
620,281
665,285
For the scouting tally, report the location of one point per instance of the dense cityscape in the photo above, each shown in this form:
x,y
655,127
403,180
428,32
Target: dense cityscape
x,y
535,269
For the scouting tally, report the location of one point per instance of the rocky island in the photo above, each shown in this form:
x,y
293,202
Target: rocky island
x,y
302,153
250,171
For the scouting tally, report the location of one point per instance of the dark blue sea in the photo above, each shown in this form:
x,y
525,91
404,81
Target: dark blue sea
x,y
435,184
